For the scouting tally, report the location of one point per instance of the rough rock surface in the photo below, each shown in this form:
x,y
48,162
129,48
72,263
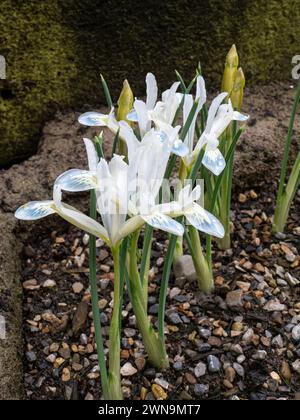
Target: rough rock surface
x,y
11,347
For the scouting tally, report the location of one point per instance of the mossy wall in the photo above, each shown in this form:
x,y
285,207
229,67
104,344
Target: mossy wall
x,y
55,50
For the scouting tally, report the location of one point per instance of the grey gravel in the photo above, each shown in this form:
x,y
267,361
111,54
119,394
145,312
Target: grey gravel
x,y
239,369
174,318
31,356
214,364
296,333
260,355
201,389
277,341
200,369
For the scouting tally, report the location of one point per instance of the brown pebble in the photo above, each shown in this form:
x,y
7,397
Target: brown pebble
x,y
190,378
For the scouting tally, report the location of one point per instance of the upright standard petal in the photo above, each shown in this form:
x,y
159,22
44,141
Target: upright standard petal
x,y
35,210
151,91
92,155
143,118
76,180
204,221
93,119
213,110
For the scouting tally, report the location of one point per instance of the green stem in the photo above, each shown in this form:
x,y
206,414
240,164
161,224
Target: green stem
x,y
145,262
202,266
283,206
115,391
95,305
154,345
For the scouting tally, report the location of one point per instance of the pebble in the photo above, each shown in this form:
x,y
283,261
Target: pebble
x,y
275,377
184,267
140,363
174,292
128,370
85,239
292,281
286,371
158,392
102,304
161,382
247,337
30,356
296,333
296,366
237,349
277,341
66,375
214,364
274,305
242,198
230,374
80,317
49,284
200,369
204,333
234,299
77,367
239,369
201,389
51,358
153,309
174,318
190,378
260,355
184,395
177,365
77,287
240,359
83,339
31,284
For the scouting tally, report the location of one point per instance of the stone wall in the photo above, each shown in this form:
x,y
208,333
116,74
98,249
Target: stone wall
x,y
56,49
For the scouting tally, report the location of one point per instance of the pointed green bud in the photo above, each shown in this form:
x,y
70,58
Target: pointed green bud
x,y
125,102
230,70
238,90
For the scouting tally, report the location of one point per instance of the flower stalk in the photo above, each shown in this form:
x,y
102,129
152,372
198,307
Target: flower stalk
x,y
114,378
153,343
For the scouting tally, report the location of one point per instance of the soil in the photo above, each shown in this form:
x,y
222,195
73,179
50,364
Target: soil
x,y
53,250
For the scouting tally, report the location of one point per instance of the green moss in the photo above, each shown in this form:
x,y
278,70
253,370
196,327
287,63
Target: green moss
x,y
56,49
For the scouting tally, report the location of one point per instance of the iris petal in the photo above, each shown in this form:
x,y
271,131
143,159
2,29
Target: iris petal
x,y
179,148
214,161
132,116
204,221
165,223
76,180
93,119
35,210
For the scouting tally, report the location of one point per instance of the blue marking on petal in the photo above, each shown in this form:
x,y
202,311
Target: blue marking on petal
x,y
204,221
214,161
179,148
132,116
